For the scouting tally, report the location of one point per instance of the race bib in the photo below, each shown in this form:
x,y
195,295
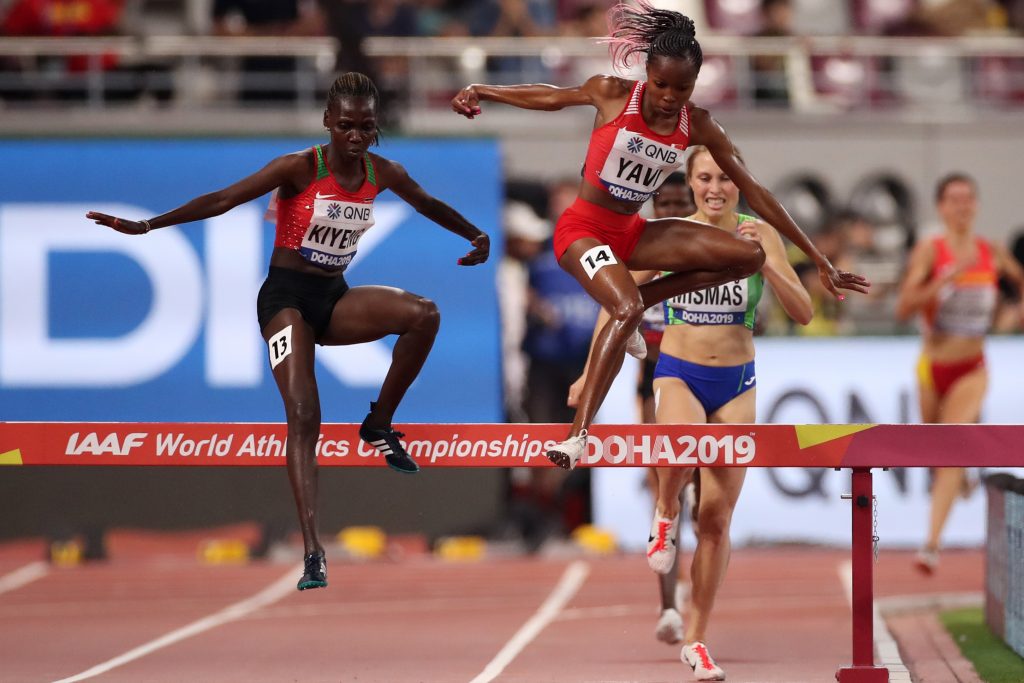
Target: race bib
x,y
966,311
334,231
636,166
722,305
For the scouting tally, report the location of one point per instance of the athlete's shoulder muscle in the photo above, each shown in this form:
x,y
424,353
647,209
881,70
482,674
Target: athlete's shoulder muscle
x,y
389,173
609,95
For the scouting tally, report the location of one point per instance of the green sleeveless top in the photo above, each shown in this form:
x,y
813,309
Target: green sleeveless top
x,y
734,303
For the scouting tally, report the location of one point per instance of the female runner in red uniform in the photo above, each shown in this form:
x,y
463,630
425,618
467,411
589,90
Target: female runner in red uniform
x,y
640,131
951,280
324,204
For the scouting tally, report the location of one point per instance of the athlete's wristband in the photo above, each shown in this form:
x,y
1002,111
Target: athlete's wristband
x,y
146,227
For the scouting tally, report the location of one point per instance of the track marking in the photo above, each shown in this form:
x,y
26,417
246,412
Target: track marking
x,y
885,644
572,579
268,595
19,577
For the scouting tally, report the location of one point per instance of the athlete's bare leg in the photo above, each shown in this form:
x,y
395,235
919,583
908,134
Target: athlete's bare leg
x,y
720,489
369,313
297,383
961,405
700,256
676,404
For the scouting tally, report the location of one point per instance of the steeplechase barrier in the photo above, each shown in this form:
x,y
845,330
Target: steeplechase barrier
x,y
858,447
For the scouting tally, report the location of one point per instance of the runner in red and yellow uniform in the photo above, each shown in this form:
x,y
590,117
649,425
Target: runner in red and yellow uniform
x,y
951,281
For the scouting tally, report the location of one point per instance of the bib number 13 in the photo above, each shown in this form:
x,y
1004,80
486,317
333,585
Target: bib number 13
x,y
280,346
596,258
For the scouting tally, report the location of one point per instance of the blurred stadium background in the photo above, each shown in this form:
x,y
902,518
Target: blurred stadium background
x,y
848,110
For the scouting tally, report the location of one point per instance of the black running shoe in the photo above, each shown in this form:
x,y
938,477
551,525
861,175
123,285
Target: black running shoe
x,y
315,575
386,441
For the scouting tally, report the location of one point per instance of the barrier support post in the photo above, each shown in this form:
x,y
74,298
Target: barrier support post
x,y
863,669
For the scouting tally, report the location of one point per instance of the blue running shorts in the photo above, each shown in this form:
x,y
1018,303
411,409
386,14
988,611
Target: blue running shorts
x,y
713,386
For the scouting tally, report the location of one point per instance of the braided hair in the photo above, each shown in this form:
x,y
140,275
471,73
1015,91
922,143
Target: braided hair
x,y
355,84
643,29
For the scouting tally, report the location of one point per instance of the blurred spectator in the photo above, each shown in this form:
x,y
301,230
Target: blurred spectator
x,y
769,71
525,233
350,22
514,19
559,322
829,313
874,312
267,79
1009,318
950,18
440,18
64,77
586,20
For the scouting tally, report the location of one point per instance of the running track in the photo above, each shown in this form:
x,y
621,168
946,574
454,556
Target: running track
x,y
159,615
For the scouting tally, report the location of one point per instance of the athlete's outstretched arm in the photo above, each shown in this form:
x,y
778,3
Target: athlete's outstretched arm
x,y
395,178
595,92
781,277
706,131
277,173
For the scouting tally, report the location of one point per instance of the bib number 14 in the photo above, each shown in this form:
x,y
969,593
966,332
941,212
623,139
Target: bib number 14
x,y
596,258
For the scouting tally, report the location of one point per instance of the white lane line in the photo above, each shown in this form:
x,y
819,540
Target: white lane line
x,y
268,595
572,579
885,644
19,577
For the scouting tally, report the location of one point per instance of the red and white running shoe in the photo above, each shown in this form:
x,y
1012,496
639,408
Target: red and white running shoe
x,y
926,561
567,453
704,668
661,544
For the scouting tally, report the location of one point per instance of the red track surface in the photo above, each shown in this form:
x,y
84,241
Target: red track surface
x,y
782,616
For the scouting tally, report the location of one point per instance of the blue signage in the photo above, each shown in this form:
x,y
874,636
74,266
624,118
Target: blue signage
x,y
96,325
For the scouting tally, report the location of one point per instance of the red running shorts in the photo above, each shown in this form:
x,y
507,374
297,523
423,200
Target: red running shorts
x,y
619,231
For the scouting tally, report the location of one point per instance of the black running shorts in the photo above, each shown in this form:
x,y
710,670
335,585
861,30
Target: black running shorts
x,y
313,296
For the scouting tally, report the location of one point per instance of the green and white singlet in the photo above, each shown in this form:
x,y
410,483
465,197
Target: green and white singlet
x,y
734,303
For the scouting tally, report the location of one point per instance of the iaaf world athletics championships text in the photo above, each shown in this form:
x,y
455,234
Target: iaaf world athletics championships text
x,y
707,449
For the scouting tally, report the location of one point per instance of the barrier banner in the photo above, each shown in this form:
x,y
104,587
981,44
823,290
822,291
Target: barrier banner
x,y
515,445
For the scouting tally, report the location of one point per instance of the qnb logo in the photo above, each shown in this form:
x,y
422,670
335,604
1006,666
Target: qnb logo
x,y
708,449
109,444
202,293
334,211
635,144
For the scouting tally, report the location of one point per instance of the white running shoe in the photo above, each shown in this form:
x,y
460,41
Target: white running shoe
x,y
704,668
670,627
567,453
661,544
926,561
636,346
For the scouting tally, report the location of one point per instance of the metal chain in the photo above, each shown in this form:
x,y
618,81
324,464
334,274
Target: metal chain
x,y
874,526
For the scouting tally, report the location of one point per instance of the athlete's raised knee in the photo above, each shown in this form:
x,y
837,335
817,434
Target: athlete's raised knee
x,y
428,317
629,312
750,262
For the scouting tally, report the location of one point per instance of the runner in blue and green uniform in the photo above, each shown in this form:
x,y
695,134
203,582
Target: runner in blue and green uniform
x,y
705,374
